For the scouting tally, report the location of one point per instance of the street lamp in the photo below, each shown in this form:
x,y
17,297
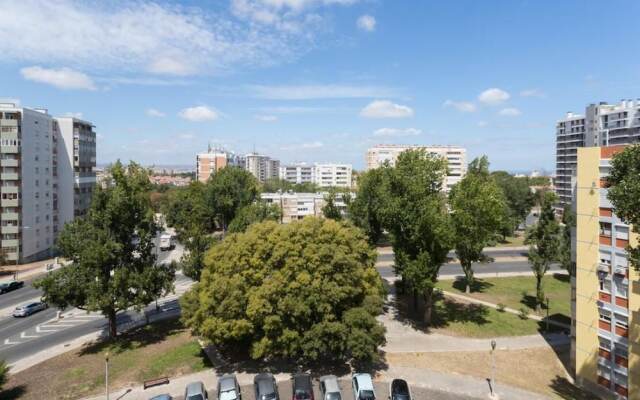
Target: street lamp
x,y
492,387
106,374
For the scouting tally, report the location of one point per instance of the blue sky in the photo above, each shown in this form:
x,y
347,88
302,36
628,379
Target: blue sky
x,y
320,80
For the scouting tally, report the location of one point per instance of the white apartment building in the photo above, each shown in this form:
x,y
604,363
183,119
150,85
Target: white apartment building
x,y
602,124
296,206
215,159
456,158
324,175
46,169
262,167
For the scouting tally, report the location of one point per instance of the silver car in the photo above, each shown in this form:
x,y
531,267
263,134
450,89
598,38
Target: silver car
x,y
329,388
228,388
195,391
27,309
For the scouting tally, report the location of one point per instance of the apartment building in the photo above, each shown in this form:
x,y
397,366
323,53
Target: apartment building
x,y
605,295
214,160
324,175
262,167
456,158
46,178
602,124
296,206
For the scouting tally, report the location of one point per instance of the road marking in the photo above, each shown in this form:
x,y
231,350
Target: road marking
x,y
8,342
24,335
40,330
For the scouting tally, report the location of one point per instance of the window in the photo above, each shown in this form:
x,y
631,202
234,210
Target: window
x,y
605,315
622,321
622,232
605,286
622,290
604,343
605,229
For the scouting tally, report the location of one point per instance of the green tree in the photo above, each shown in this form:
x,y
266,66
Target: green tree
x,y
229,190
196,245
4,373
302,291
112,260
518,196
330,209
415,213
564,249
544,239
365,211
624,193
186,209
477,212
253,213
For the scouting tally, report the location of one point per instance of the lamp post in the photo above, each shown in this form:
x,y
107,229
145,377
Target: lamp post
x,y
492,387
106,374
547,314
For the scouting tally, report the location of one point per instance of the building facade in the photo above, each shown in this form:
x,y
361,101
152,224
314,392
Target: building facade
x,y
46,178
296,206
214,160
456,158
262,167
606,295
602,124
323,175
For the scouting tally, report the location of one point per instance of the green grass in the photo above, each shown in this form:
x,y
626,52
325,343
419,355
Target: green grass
x,y
511,241
518,292
477,321
187,355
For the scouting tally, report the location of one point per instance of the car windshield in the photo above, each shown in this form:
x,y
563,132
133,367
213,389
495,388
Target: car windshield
x,y
366,395
228,395
4,285
268,396
400,397
302,395
195,397
333,396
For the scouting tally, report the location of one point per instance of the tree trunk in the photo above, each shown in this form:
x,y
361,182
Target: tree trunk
x,y
539,294
415,300
113,324
468,274
428,306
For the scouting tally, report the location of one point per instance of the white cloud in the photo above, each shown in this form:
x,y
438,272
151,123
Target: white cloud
x,y
493,96
302,146
395,132
266,118
366,23
73,114
510,112
199,114
386,109
152,112
63,78
159,37
462,106
310,92
532,93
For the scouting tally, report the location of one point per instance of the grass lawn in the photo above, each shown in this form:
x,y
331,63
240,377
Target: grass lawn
x,y
511,241
163,349
518,292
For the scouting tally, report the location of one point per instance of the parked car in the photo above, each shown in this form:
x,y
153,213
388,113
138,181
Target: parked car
x,y
27,309
9,286
265,387
363,387
399,390
162,397
195,391
302,388
329,388
228,388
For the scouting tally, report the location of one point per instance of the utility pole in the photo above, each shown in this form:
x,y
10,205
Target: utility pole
x,y
492,387
106,375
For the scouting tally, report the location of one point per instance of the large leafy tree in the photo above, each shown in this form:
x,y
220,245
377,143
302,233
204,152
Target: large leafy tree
x,y
4,372
253,213
564,247
415,213
229,190
477,211
112,261
274,185
186,209
544,240
624,193
302,291
518,195
330,209
365,211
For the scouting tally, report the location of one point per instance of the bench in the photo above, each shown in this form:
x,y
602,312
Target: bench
x,y
156,382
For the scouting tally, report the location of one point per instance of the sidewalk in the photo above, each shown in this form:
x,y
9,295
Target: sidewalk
x,y
24,270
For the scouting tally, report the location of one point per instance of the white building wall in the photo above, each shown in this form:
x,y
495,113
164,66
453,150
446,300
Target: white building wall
x,y
65,171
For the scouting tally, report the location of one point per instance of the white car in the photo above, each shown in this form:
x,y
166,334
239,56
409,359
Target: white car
x,y
27,309
363,387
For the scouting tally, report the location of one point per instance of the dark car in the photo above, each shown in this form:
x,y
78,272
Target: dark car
x,y
265,386
228,388
9,286
162,397
399,390
302,387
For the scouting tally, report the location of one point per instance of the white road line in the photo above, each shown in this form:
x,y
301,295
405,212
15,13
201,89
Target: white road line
x,y
40,330
24,335
8,342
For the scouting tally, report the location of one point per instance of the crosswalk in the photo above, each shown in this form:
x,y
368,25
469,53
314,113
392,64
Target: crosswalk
x,y
68,320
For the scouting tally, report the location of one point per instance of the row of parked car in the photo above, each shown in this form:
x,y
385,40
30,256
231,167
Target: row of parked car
x,y
265,388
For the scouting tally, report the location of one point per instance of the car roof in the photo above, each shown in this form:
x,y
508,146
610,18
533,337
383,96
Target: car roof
x,y
227,382
330,383
302,380
194,388
399,386
364,381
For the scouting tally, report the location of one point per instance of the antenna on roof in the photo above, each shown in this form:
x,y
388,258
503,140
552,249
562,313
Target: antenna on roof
x,y
208,146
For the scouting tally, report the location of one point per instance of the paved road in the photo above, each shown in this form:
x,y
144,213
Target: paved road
x,y
455,268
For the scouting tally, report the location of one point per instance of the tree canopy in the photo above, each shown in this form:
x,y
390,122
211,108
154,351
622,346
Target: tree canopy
x,y
186,209
301,291
478,209
518,195
366,209
330,209
112,261
253,213
229,190
624,193
4,372
274,185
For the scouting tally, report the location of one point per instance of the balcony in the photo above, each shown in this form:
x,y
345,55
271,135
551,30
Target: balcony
x,y
10,216
605,240
620,331
10,149
622,243
10,243
604,325
10,176
10,202
9,162
9,229
605,297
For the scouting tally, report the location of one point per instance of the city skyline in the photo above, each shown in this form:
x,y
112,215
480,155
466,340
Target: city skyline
x,y
316,81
